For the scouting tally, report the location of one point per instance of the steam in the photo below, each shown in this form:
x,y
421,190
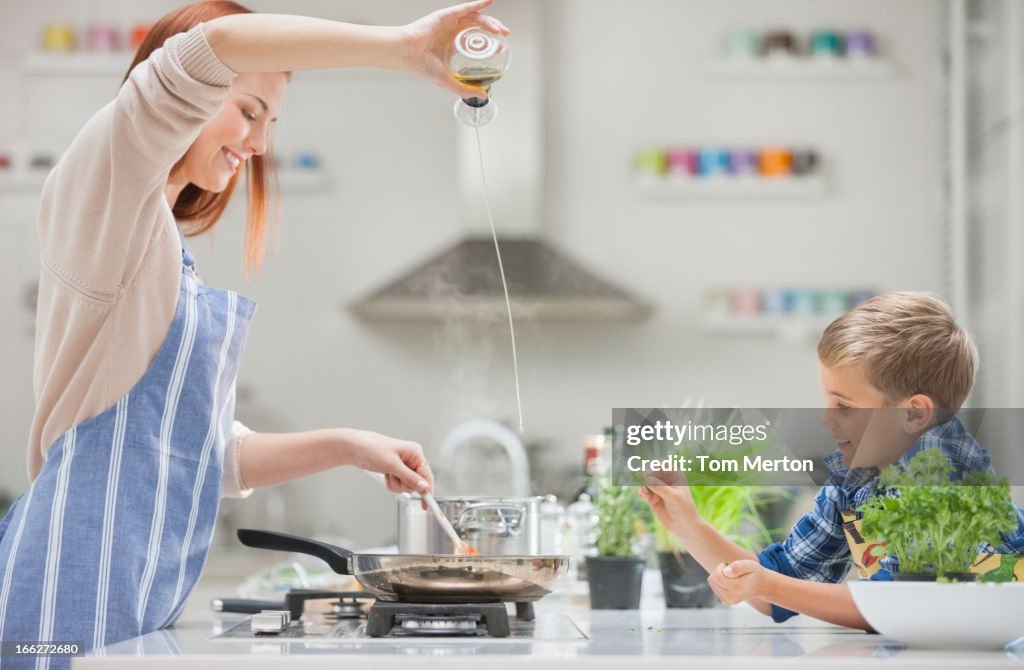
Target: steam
x,y
478,381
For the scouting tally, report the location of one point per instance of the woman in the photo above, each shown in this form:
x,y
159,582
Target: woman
x,y
133,442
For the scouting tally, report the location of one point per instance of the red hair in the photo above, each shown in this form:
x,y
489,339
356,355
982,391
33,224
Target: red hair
x,y
202,209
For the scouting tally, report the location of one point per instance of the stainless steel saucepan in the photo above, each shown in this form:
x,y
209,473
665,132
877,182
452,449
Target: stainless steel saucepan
x,y
428,578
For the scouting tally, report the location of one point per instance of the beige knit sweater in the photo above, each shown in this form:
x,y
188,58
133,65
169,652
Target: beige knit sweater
x,y
111,256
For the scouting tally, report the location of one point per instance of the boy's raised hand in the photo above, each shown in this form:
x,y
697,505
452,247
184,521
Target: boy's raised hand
x,y
738,581
670,500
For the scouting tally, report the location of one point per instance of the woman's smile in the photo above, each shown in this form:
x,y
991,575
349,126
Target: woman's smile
x,y
233,159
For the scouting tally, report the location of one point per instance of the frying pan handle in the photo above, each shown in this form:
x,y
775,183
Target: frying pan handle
x,y
338,558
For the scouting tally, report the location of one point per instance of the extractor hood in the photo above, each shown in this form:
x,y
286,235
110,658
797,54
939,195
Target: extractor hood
x,y
463,280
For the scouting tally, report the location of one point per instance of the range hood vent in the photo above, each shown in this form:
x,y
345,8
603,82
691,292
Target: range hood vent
x,y
463,282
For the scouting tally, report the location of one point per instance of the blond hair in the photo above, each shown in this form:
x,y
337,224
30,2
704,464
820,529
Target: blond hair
x,y
907,343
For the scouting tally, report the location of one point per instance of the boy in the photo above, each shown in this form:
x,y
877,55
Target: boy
x,y
899,351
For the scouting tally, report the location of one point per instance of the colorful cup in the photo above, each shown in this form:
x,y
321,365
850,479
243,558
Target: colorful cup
x,y
860,44
714,161
834,302
774,301
745,301
684,162
742,43
780,43
103,37
307,160
651,161
805,302
716,302
776,161
859,296
42,161
805,161
745,162
138,34
59,37
826,43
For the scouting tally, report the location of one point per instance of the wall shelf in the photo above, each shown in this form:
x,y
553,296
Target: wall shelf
x,y
291,181
22,183
76,63
803,68
304,181
791,328
732,187
115,63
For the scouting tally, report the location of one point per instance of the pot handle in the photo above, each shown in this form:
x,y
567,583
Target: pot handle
x,y
338,558
510,517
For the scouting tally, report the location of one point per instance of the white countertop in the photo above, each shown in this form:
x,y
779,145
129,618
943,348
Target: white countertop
x,y
721,638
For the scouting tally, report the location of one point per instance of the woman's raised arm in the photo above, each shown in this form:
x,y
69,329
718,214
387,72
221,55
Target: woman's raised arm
x,y
284,43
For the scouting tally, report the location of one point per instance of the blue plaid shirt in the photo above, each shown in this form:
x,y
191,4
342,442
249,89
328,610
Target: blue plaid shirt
x,y
817,550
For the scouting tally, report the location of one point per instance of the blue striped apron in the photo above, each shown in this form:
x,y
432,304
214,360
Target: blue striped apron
x,y
108,541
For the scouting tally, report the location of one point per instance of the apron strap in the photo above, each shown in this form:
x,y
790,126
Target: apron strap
x,y
187,259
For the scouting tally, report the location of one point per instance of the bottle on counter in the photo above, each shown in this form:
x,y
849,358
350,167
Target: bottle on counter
x,y
580,529
597,463
552,522
579,538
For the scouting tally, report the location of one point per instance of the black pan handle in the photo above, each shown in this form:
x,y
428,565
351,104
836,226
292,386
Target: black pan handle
x,y
244,606
338,558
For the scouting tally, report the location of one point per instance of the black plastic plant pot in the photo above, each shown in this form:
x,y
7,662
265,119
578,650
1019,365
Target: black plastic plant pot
x,y
615,582
684,581
930,576
913,576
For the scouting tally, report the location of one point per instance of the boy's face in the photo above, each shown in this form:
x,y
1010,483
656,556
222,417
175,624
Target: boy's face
x,y
869,429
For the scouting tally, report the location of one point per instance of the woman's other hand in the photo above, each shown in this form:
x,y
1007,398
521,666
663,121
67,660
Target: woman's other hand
x,y
400,461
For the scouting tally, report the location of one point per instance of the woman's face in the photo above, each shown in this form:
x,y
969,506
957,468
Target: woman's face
x,y
241,130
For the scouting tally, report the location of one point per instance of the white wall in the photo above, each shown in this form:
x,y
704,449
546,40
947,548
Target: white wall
x,y
619,75
995,246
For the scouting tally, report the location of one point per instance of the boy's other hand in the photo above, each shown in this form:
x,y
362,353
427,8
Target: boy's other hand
x,y
738,581
670,500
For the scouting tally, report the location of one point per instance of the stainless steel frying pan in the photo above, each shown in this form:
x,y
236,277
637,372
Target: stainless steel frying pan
x,y
428,578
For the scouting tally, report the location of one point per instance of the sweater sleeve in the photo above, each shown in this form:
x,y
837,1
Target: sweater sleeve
x,y
100,200
233,486
815,550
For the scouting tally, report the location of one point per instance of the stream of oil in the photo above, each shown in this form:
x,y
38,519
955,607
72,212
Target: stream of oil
x,y
504,283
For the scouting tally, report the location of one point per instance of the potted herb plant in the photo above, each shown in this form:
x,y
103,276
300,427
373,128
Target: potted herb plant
x,y
730,503
732,511
615,575
935,525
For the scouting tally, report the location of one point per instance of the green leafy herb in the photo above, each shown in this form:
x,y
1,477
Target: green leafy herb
x,y
933,524
620,520
730,503
734,511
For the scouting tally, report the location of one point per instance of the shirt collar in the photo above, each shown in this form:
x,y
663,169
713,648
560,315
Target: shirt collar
x,y
960,448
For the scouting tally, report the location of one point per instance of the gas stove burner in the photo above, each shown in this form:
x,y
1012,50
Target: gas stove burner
x,y
396,625
456,624
343,605
390,619
348,609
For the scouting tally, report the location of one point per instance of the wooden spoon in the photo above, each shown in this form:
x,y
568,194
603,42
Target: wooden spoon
x,y
461,548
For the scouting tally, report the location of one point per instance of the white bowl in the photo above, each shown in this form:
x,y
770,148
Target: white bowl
x,y
943,615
